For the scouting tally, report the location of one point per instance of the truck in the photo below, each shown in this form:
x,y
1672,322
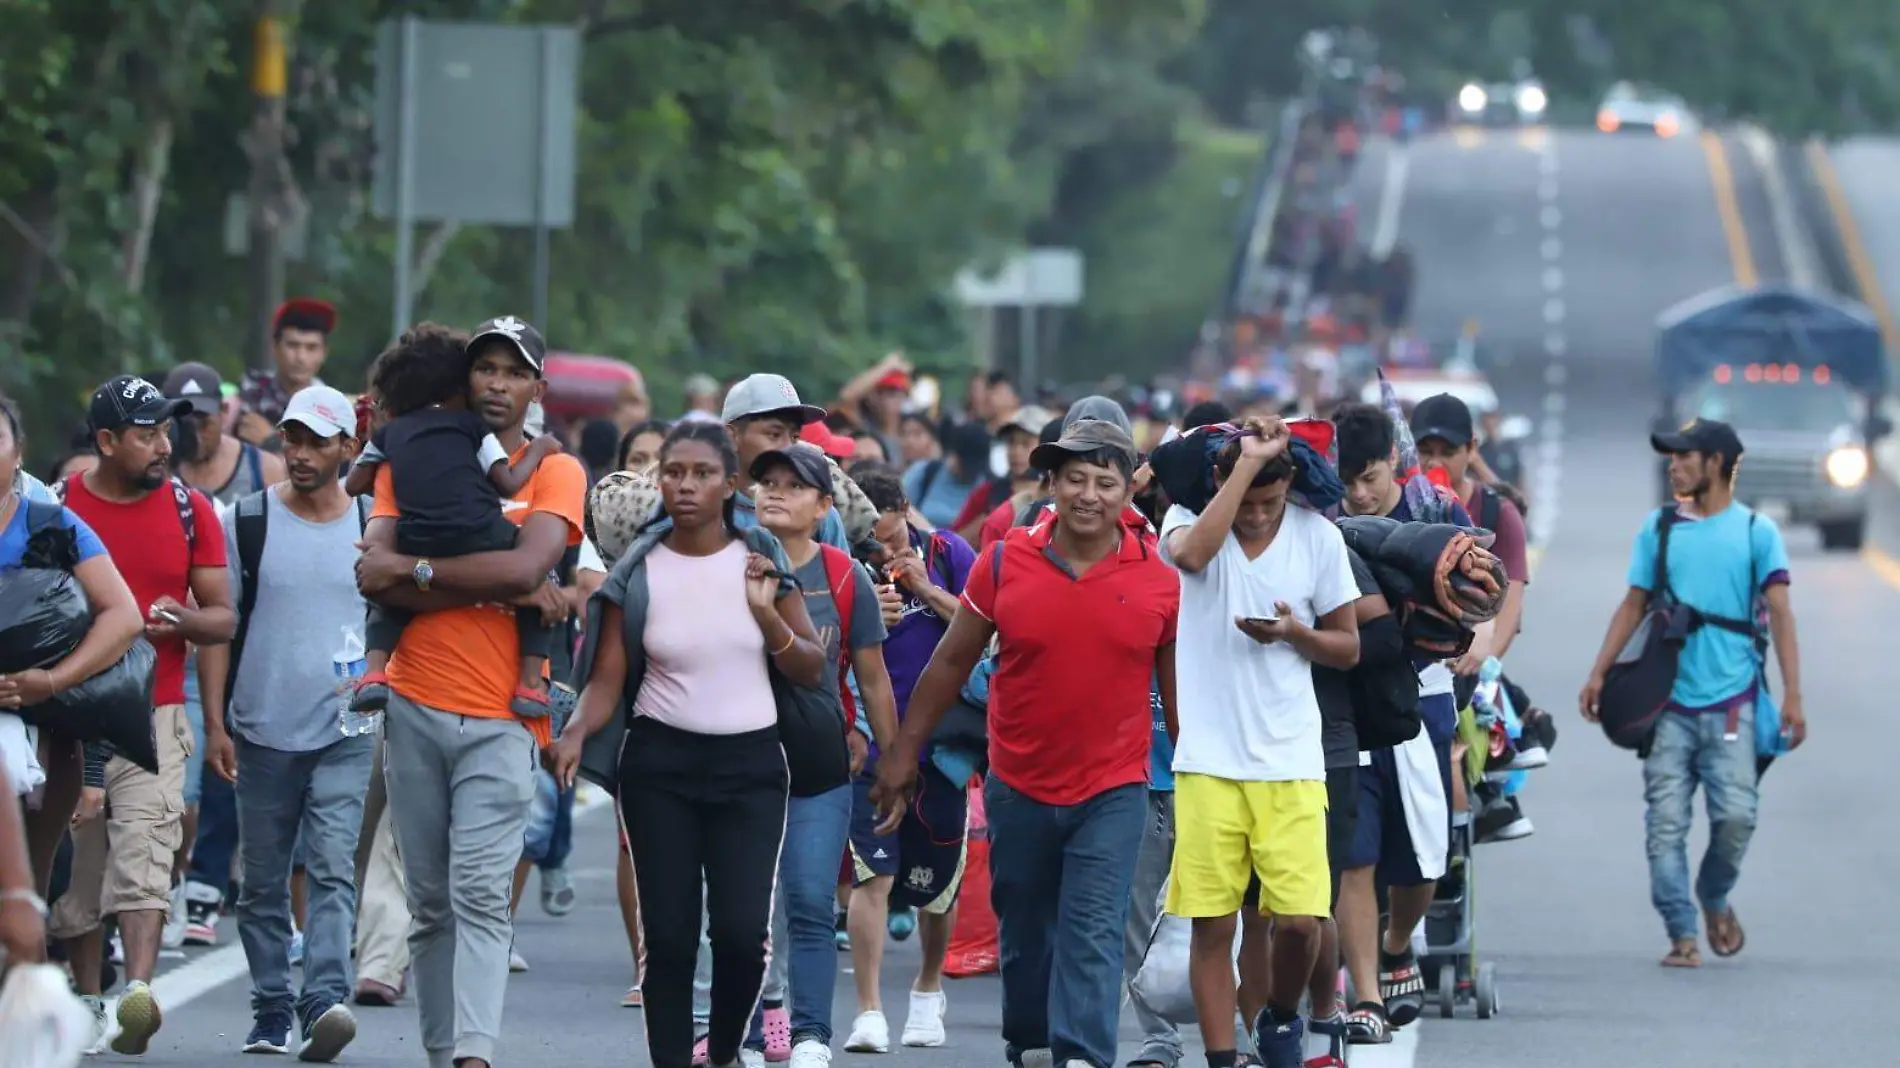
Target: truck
x,y
1800,375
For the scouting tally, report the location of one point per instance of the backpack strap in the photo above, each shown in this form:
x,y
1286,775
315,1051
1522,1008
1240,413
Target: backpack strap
x,y
932,468
41,516
1659,585
187,515
940,560
250,519
1490,508
254,459
364,505
844,592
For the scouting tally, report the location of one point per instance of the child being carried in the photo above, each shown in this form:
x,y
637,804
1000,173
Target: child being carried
x,y
450,475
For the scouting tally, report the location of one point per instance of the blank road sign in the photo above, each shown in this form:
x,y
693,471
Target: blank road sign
x,y
495,110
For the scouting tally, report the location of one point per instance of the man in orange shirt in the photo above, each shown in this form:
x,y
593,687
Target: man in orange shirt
x,y
459,767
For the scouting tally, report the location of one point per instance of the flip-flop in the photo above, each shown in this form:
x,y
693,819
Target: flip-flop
x,y
1726,937
1682,954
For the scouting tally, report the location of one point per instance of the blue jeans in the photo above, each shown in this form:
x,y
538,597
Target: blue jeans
x,y
282,796
561,836
1691,749
1060,879
544,814
804,955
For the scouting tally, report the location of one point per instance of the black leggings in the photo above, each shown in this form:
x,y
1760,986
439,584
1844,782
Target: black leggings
x,y
702,808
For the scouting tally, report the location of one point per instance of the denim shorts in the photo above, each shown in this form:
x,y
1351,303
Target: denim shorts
x,y
541,814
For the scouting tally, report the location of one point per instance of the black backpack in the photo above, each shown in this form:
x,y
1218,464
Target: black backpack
x,y
1637,687
250,518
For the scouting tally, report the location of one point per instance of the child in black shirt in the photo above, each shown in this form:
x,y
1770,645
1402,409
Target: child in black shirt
x,y
450,475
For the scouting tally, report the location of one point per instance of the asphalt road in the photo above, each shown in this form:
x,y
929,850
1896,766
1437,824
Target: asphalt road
x,y
1629,227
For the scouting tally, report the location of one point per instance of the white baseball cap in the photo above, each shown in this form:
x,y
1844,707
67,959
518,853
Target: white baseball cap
x,y
322,409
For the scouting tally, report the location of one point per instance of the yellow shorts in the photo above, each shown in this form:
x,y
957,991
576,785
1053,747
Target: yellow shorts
x,y
1224,831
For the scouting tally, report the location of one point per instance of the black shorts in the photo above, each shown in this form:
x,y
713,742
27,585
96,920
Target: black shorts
x,y
1342,819
925,854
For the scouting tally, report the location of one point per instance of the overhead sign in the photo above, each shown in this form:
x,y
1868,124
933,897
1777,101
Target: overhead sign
x,y
1042,277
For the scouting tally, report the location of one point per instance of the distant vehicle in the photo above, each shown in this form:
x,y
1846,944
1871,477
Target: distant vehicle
x,y
1629,109
1411,386
1521,102
1800,377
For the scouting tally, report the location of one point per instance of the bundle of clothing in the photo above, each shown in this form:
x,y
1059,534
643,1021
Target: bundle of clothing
x,y
1441,579
1183,466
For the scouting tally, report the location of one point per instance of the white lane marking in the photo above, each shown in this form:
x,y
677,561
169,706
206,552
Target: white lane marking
x,y
1551,248
1548,476
181,986
1555,345
1547,188
1551,217
1553,279
1554,311
1547,162
1555,375
1554,403
1798,256
1385,232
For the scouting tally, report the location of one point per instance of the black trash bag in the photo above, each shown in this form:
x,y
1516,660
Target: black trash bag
x,y
113,707
43,617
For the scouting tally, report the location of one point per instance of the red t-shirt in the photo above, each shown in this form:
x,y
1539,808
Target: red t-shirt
x,y
146,540
1070,713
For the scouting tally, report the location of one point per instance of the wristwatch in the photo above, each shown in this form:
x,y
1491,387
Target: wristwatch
x,y
423,574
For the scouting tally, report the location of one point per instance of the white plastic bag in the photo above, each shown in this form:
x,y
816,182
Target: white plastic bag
x,y
44,1024
19,754
1161,984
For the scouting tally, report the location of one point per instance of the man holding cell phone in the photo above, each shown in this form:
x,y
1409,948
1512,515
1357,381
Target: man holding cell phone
x,y
1267,592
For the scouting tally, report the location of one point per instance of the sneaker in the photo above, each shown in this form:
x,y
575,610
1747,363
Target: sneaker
x,y
1280,1043
923,1026
1530,756
633,999
1540,729
516,962
870,1033
700,1056
1502,821
810,1053
557,892
296,947
201,913
115,954
841,934
1037,1058
176,918
776,1023
139,1019
901,924
96,1005
270,1033
326,1033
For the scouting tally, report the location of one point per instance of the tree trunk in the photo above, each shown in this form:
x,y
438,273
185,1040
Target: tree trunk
x,y
148,183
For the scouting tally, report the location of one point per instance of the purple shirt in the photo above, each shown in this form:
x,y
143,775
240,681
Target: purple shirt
x,y
948,559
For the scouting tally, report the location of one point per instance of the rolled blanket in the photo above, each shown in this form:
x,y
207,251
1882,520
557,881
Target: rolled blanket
x,y
1436,567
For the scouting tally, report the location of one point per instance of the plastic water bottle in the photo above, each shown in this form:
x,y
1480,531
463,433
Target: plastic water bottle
x,y
349,665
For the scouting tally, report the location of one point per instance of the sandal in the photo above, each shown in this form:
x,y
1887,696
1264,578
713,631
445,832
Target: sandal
x,y
1726,937
1683,954
1366,1025
1401,987
371,693
530,704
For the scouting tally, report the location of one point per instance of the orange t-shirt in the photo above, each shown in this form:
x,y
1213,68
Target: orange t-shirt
x,y
467,660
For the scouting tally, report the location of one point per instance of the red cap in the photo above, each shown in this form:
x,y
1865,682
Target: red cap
x,y
898,380
309,307
831,443
1317,433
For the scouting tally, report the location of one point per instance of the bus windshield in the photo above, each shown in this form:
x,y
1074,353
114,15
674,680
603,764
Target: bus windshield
x,y
1776,406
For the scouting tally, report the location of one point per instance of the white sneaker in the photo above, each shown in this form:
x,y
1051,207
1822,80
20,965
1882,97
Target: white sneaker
x,y
174,934
810,1053
1039,1058
96,1005
924,1024
1529,757
751,1058
517,962
870,1033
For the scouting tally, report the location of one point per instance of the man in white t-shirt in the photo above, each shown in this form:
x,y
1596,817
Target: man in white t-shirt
x,y
1267,592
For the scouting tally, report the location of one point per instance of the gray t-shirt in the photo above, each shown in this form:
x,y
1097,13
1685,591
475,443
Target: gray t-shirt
x,y
285,693
867,622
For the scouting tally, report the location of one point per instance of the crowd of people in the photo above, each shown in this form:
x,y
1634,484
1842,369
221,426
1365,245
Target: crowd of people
x,y
793,644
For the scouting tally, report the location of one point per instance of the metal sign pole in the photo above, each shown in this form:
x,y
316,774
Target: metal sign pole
x,y
405,177
543,181
1027,358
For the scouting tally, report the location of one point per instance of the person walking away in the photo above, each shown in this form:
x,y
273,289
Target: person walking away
x,y
929,847
1723,560
224,468
450,475
169,545
292,548
459,764
702,780
1267,593
1084,612
116,624
1401,840
795,490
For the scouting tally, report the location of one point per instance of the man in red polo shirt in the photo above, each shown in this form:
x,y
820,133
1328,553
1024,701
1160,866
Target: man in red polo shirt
x,y
1084,612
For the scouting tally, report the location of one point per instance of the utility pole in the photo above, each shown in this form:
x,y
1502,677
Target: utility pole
x,y
264,144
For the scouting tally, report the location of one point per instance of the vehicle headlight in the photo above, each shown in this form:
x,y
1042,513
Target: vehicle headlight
x,y
1531,100
1847,466
1472,98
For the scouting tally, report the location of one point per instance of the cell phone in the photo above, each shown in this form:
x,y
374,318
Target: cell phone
x,y
1260,620
167,615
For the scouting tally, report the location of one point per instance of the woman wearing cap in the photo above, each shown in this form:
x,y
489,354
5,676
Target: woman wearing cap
x,y
702,779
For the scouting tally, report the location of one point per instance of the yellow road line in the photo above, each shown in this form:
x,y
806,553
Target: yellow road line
x,y
1861,266
1722,179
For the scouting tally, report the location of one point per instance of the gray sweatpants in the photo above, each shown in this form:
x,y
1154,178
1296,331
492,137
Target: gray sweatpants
x,y
459,790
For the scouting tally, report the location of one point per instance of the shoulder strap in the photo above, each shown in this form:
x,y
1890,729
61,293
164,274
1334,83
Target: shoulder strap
x,y
932,469
844,592
364,505
1665,519
1490,507
254,459
187,517
249,519
940,559
40,515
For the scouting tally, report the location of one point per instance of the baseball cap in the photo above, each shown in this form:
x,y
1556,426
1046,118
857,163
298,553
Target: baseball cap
x,y
1442,416
764,394
894,379
525,338
196,384
1709,436
806,462
323,410
701,384
827,440
129,400
320,312
1029,419
1106,409
1086,435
